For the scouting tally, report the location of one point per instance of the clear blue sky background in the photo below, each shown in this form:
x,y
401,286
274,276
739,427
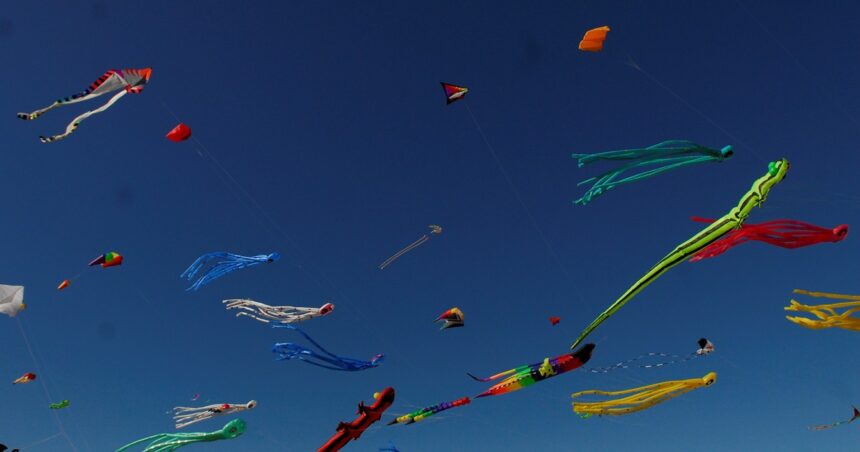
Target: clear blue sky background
x,y
330,116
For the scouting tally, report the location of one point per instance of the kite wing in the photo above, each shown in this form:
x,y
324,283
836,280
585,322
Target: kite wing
x,y
593,39
11,299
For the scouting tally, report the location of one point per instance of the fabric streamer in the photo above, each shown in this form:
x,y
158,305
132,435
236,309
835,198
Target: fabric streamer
x,y
168,442
640,398
212,266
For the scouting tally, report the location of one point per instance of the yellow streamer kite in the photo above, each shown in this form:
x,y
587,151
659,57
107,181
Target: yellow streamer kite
x,y
826,313
640,398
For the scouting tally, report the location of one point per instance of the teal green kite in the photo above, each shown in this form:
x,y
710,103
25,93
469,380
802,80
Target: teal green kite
x,y
168,442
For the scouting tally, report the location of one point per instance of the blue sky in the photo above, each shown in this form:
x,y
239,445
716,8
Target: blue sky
x,y
339,149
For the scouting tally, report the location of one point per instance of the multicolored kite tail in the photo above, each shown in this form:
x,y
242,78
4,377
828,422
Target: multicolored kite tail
x,y
836,424
640,398
668,155
424,413
732,220
826,313
168,442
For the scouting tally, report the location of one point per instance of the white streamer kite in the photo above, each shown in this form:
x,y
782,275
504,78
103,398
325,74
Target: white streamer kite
x,y
434,229
185,416
264,313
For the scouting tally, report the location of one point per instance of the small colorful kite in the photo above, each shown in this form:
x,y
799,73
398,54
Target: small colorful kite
x,y
453,92
826,313
523,376
185,416
705,348
452,318
661,157
111,259
59,406
593,39
326,359
168,442
640,398
11,300
754,197
281,314
26,378
554,320
179,133
836,424
783,233
367,415
434,230
424,413
127,80
64,284
211,266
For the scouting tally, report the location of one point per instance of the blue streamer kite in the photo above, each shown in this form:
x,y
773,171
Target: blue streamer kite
x,y
664,156
289,350
209,267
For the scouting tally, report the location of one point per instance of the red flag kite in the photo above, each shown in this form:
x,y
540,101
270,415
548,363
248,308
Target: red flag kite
x,y
179,133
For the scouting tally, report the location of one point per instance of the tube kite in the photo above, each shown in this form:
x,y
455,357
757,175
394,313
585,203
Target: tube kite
x,y
783,233
127,80
452,318
520,377
705,348
179,133
836,424
593,39
661,157
453,93
640,398
212,266
434,230
11,300
185,416
59,406
325,359
367,415
281,314
722,226
424,413
26,378
826,313
168,442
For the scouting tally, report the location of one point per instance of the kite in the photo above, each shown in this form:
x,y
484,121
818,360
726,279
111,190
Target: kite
x,y
424,413
281,314
185,416
367,415
59,406
209,267
179,133
593,39
111,259
641,398
434,229
127,80
452,318
326,359
705,348
168,442
727,223
389,448
826,313
662,157
783,233
836,424
64,284
523,376
3,448
453,93
26,378
11,299
554,320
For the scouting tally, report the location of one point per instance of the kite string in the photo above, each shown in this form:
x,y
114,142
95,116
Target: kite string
x,y
42,378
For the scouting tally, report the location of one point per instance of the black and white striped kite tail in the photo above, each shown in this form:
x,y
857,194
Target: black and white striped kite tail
x,y
673,359
77,121
37,113
69,129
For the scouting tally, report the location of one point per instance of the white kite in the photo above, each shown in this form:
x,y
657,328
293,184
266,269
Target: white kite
x,y
185,416
11,299
262,312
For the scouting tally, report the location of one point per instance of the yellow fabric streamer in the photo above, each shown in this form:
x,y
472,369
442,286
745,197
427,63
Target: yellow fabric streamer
x,y
640,398
826,313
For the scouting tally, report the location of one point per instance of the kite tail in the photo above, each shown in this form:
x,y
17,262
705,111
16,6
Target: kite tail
x,y
143,440
77,121
409,248
37,113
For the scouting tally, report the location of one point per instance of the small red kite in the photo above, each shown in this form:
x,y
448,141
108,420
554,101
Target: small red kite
x,y
593,39
453,92
179,133
554,320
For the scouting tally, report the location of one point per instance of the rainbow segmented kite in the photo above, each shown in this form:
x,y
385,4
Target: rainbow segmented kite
x,y
127,80
424,413
662,157
734,219
640,398
827,315
520,377
783,233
